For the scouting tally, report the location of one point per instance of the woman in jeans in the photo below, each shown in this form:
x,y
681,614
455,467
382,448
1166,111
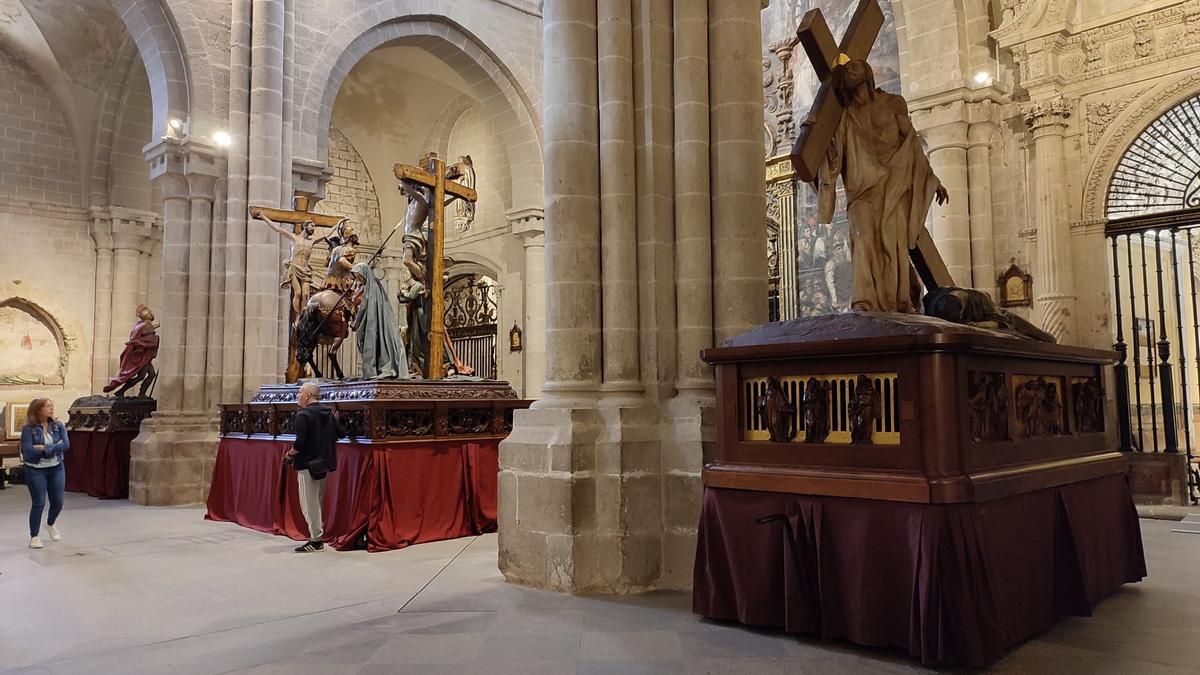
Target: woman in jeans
x,y
43,442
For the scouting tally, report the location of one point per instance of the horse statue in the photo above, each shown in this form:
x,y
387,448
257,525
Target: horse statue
x,y
325,320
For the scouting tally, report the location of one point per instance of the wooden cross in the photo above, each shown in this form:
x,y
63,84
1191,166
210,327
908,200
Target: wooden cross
x,y
433,174
816,132
296,217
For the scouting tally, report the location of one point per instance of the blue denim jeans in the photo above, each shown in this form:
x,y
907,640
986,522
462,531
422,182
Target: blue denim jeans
x,y
49,482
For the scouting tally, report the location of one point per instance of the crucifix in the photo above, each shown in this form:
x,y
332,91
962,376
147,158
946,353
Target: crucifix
x,y
816,136
297,271
434,175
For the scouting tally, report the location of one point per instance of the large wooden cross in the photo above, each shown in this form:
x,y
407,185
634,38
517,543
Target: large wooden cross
x,y
433,174
296,217
816,132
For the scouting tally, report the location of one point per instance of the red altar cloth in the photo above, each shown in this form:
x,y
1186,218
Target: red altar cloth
x,y
957,583
398,495
98,463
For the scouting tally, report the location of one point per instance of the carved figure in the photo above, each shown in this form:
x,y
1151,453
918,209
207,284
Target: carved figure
x,y
816,411
974,308
138,355
464,211
777,412
415,242
864,410
889,187
1039,407
988,407
1088,399
341,258
297,272
414,297
325,320
375,332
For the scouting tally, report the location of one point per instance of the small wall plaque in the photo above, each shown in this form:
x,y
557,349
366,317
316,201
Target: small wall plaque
x,y
514,339
1016,287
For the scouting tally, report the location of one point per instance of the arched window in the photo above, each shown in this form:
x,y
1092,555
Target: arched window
x,y
1160,171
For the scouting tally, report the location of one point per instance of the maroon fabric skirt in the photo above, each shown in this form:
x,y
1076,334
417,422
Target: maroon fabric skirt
x,y
953,584
397,495
98,463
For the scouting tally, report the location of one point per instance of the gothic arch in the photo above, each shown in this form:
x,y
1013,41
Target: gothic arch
x,y
438,138
1122,132
514,117
51,324
157,37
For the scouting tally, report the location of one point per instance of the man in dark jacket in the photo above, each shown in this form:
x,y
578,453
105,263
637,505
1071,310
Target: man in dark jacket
x,y
313,456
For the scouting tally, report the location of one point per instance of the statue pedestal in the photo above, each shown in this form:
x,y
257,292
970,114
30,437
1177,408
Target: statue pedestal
x,y
102,429
987,499
419,464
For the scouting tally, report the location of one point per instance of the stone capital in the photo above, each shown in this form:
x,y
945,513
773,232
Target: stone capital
x,y
202,186
1047,115
182,157
527,222
101,228
309,178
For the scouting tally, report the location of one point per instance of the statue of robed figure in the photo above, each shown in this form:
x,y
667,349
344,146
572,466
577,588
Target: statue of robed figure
x,y
889,187
138,355
375,331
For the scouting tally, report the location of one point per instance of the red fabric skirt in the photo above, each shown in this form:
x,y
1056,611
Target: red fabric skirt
x,y
956,584
397,495
98,463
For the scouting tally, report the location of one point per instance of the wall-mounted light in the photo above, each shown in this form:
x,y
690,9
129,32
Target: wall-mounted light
x,y
176,124
983,78
222,138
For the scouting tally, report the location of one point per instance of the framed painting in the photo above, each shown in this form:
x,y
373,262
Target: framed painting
x,y
14,419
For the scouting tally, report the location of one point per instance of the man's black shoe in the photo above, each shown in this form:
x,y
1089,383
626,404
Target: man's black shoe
x,y
311,547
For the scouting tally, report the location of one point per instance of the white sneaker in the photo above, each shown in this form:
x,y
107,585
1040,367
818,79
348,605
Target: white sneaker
x,y
35,542
55,535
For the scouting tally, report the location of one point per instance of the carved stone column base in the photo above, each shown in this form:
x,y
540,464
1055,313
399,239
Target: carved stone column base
x,y
580,500
171,460
689,428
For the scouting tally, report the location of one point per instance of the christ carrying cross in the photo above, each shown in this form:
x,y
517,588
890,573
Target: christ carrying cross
x,y
865,136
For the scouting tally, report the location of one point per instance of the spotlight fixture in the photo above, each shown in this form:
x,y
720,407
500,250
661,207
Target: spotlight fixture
x,y
223,138
176,124
983,78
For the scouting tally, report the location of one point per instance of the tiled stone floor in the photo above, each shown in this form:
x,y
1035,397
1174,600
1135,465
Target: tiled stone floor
x,y
157,590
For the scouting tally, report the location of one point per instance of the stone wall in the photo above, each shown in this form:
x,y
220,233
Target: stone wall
x,y
350,192
38,162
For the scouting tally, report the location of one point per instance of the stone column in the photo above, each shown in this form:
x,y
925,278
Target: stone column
x,y
687,423
261,355
1054,291
130,231
979,175
945,131
234,335
618,203
530,226
172,457
546,488
102,357
150,244
739,199
200,189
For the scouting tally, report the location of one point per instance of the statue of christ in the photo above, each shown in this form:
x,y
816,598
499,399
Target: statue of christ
x,y
889,188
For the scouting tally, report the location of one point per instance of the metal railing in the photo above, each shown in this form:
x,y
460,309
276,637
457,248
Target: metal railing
x,y
1157,333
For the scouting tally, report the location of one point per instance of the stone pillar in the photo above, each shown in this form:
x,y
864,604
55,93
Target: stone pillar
x,y
739,199
687,421
547,490
234,335
172,457
618,204
261,356
945,132
529,224
596,495
200,191
102,357
152,243
130,232
979,176
1054,290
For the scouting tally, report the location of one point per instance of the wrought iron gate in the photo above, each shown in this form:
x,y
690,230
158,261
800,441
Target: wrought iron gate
x,y
1156,284
471,321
